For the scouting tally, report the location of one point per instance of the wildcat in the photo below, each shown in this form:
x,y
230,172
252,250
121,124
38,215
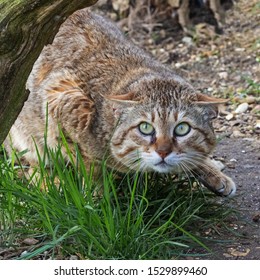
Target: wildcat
x,y
110,97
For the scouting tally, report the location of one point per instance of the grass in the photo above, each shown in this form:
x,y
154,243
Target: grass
x,y
253,87
137,216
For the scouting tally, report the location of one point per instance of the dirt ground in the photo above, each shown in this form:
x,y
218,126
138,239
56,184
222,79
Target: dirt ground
x,y
241,157
223,65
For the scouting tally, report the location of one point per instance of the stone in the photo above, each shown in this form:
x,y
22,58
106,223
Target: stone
x,y
256,110
250,99
237,134
239,49
242,108
257,125
229,117
223,75
187,40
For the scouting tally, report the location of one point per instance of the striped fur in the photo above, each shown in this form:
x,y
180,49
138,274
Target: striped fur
x,y
99,88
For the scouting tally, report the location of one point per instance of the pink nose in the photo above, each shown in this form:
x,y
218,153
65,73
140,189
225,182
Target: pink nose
x,y
163,153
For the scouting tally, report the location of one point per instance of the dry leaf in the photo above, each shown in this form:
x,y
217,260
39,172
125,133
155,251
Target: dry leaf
x,y
120,5
237,253
174,3
30,241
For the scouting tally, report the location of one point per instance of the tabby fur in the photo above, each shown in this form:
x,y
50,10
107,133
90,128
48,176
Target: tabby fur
x,y
101,89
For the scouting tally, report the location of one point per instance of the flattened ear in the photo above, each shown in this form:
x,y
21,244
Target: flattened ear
x,y
122,102
211,104
205,99
129,98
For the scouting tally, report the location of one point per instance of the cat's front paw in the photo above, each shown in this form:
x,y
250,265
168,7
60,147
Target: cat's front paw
x,y
226,186
220,184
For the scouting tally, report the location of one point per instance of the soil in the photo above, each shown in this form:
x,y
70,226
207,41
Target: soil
x,y
225,65
242,160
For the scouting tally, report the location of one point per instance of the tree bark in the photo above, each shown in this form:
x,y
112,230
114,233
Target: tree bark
x,y
25,27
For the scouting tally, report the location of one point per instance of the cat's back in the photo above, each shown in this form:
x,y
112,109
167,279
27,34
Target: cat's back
x,y
82,34
88,47
85,30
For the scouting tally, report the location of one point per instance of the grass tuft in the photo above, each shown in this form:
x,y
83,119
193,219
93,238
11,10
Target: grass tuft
x,y
137,216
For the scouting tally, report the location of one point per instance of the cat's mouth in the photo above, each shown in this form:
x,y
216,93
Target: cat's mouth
x,y
162,163
163,167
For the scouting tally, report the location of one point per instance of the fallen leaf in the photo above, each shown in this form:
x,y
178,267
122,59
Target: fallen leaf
x,y
174,3
237,253
30,241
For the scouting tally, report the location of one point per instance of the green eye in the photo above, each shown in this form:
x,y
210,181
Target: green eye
x,y
146,128
182,129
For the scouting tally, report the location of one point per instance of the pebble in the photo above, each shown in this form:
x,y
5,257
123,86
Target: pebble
x,y
187,40
237,134
178,64
230,165
24,253
250,99
239,49
256,110
233,160
223,128
154,52
229,117
245,118
242,108
257,125
223,75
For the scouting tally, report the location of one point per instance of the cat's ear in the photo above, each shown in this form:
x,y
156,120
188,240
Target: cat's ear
x,y
129,98
209,100
210,103
122,102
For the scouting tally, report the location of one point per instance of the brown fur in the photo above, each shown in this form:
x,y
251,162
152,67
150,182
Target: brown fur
x,y
100,88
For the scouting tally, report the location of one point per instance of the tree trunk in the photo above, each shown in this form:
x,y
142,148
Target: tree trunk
x,y
25,27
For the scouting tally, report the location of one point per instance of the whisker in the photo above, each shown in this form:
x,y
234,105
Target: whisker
x,y
206,167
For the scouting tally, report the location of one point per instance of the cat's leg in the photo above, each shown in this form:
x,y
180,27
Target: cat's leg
x,y
212,178
73,112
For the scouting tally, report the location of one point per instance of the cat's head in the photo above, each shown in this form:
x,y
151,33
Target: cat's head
x,y
163,127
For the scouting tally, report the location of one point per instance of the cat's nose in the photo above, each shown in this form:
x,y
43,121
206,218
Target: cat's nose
x,y
163,152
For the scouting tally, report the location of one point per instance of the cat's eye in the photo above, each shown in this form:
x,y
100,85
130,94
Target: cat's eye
x,y
182,129
146,128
